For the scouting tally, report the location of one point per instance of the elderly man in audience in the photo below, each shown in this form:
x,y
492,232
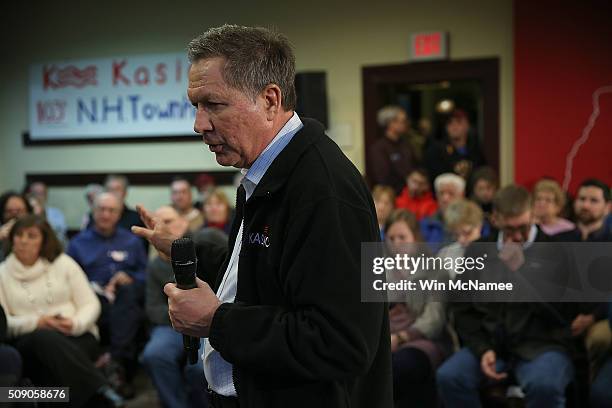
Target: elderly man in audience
x,y
118,185
182,201
532,341
178,384
114,261
449,188
391,156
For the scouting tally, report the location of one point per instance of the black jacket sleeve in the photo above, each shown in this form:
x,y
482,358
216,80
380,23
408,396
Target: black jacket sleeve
x,y
324,332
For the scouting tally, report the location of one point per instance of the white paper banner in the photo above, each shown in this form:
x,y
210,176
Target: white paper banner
x,y
111,98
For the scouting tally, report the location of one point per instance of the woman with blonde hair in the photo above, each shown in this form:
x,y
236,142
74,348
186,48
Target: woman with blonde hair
x,y
464,219
384,202
217,211
548,202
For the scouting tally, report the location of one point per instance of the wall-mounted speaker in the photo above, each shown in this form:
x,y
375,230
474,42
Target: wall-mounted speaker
x,y
311,89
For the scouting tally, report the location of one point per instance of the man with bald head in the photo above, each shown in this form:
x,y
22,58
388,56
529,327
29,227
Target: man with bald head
x,y
114,260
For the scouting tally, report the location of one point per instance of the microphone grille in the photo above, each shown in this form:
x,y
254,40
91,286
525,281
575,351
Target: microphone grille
x,y
183,249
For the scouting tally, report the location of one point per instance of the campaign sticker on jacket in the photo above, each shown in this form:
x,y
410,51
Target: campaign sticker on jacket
x,y
118,256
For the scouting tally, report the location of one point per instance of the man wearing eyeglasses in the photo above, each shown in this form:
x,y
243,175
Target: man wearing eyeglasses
x,y
530,341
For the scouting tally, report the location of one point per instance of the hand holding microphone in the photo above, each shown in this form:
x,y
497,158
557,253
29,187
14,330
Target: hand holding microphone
x,y
191,302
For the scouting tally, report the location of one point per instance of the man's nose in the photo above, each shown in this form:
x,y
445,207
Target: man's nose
x,y
202,122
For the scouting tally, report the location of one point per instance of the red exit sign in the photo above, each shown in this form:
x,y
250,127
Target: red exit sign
x,y
429,46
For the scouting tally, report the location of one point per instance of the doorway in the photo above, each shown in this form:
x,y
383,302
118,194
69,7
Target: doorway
x,y
429,92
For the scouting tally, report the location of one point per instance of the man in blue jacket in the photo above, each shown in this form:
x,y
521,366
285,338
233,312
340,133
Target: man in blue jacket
x,y
114,260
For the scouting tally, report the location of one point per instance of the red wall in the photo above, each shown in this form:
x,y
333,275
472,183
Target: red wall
x,y
562,55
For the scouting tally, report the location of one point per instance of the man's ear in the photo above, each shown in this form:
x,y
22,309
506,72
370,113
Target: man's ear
x,y
272,97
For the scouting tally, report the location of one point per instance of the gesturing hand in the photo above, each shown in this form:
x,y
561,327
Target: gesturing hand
x,y
191,311
157,233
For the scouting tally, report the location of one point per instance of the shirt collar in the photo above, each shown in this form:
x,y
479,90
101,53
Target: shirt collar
x,y
254,174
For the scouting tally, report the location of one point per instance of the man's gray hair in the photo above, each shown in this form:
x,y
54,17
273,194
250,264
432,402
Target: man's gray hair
x,y
386,114
117,177
255,57
449,178
93,188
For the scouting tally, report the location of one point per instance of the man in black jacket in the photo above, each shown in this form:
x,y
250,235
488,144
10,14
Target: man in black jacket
x,y
286,327
533,340
592,206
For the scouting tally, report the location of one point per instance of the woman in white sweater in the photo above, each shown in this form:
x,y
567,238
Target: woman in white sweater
x,y
51,314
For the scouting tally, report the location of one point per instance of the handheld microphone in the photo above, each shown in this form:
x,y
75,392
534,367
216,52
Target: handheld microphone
x,y
184,266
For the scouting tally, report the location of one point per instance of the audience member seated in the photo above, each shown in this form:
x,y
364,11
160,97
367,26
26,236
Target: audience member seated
x,y
601,390
91,191
416,197
419,341
391,157
114,261
484,184
178,384
449,188
459,153
12,206
51,313
548,201
530,342
217,211
591,206
12,365
205,183
463,219
182,201
55,216
118,185
383,197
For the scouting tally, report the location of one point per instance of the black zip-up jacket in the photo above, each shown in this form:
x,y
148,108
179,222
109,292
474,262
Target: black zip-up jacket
x,y
297,333
518,329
